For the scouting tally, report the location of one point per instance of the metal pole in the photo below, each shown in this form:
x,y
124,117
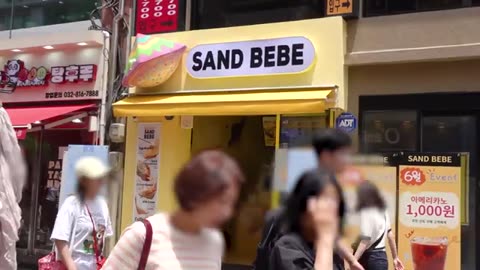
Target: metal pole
x,y
105,85
12,13
34,196
188,15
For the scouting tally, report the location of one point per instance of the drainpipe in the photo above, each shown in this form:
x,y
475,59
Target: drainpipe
x,y
112,67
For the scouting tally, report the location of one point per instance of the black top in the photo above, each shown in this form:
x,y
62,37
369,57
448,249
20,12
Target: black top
x,y
292,252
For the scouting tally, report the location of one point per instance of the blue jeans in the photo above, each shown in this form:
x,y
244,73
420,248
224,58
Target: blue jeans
x,y
374,260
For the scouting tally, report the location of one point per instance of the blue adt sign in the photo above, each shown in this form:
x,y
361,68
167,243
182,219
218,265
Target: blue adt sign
x,y
346,122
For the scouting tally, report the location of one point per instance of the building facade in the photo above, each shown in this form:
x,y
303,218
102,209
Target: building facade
x,y
52,84
410,70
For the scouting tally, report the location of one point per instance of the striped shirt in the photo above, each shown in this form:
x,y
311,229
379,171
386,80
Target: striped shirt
x,y
171,249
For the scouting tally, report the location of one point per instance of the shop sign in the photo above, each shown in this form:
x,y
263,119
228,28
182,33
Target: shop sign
x,y
249,58
346,122
341,7
156,16
147,170
430,211
21,83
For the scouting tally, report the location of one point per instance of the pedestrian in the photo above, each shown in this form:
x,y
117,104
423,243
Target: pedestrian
x,y
207,190
333,149
375,230
12,181
83,220
311,221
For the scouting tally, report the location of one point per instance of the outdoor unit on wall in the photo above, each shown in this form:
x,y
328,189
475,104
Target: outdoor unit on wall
x,y
117,132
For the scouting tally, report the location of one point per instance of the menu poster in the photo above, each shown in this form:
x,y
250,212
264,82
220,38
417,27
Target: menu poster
x,y
147,170
429,211
377,170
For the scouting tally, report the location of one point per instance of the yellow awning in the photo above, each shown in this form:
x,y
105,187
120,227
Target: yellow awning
x,y
275,101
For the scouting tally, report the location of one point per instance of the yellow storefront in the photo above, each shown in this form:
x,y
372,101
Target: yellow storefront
x,y
292,83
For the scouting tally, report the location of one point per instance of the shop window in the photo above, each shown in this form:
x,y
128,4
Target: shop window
x,y
388,7
39,13
225,13
389,131
298,131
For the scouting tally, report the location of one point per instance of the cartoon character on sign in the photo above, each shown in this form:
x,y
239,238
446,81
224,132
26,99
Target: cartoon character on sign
x,y
13,68
10,76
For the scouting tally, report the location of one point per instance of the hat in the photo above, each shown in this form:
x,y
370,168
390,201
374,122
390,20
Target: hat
x,y
91,168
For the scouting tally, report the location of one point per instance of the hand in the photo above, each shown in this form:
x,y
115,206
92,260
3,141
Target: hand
x,y
356,266
397,264
324,212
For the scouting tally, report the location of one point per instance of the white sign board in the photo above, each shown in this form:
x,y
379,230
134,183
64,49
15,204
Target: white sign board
x,y
247,58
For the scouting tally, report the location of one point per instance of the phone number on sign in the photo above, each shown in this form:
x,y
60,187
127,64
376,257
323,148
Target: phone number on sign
x,y
73,94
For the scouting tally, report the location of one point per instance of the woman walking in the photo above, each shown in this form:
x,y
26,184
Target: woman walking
x,y
188,239
12,181
83,221
312,225
375,230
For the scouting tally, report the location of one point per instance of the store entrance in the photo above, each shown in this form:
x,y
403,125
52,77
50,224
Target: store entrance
x,y
252,141
243,138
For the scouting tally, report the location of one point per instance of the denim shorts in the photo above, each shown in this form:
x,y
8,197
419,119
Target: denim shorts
x,y
374,260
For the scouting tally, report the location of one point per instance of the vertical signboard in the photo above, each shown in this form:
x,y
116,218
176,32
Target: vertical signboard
x,y
157,16
147,171
430,188
70,158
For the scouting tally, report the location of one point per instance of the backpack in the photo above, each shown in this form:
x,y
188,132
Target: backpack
x,y
264,248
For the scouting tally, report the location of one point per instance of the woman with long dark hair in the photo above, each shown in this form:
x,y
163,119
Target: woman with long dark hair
x,y
375,230
207,190
83,221
312,224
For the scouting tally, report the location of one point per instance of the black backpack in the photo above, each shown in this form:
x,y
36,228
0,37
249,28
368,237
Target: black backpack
x,y
265,246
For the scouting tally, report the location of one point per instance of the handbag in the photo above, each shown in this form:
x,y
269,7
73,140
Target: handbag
x,y
98,253
146,245
50,261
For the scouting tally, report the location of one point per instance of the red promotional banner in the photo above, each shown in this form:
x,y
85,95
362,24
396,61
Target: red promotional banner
x,y
156,16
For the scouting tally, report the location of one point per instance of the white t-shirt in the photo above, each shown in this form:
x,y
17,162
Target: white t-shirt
x,y
171,248
73,216
373,223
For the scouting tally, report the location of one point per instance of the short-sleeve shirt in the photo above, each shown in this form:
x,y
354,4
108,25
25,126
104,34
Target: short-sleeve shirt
x,y
374,223
73,218
171,248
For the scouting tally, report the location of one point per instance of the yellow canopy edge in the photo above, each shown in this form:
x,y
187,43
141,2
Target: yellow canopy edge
x,y
225,103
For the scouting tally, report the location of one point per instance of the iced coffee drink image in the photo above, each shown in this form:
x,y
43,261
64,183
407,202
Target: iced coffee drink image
x,y
429,253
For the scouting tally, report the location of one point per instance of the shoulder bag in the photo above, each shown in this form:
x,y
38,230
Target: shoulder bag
x,y
146,245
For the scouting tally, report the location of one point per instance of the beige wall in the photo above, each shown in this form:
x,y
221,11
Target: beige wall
x,y
453,76
425,36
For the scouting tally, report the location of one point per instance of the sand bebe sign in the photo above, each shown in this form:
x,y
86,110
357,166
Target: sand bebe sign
x,y
247,58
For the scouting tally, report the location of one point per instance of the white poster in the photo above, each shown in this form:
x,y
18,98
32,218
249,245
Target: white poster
x,y
147,170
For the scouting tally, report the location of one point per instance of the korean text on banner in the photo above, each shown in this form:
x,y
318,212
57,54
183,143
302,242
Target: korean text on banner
x,y
429,211
147,172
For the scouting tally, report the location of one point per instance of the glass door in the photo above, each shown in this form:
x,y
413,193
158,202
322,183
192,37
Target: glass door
x,y
457,133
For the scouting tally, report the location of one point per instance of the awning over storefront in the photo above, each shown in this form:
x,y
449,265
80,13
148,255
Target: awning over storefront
x,y
23,118
230,102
